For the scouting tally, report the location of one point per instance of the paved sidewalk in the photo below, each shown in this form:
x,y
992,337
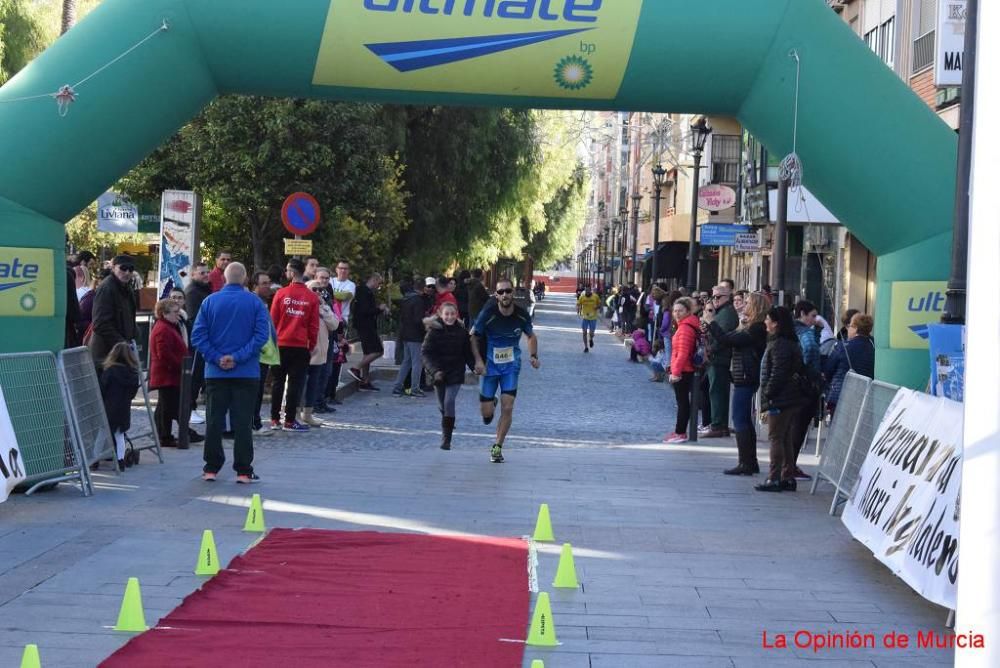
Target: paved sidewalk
x,y
680,565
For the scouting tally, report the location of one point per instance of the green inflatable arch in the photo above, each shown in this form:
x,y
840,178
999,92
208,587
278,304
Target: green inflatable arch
x,y
872,151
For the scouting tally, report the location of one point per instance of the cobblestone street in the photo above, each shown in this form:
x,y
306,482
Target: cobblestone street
x,y
679,565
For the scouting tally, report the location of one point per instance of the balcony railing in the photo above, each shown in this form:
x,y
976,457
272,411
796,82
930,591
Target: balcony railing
x,y
923,52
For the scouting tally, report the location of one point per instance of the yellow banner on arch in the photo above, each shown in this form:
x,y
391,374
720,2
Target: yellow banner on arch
x,y
538,48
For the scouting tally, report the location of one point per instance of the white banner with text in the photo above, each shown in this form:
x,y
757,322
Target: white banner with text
x,y
905,508
11,465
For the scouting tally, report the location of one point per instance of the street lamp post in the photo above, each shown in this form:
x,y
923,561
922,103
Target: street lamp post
x,y
636,199
623,220
608,250
599,253
659,173
699,134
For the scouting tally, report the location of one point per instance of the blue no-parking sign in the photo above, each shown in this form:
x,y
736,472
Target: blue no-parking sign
x,y
300,214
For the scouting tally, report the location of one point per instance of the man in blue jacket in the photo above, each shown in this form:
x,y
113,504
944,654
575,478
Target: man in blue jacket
x,y
232,327
805,329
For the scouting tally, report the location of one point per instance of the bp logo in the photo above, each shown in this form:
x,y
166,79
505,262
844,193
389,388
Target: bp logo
x,y
574,73
28,302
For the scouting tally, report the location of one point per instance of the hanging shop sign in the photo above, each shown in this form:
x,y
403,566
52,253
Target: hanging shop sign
x,y
757,205
716,197
905,507
721,235
747,242
950,43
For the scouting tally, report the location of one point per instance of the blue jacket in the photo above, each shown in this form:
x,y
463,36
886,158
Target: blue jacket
x,y
858,354
810,345
233,322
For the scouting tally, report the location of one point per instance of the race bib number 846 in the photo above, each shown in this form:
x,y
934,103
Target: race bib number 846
x,y
503,355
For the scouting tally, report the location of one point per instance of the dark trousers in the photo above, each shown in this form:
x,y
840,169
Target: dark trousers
x,y
168,404
294,367
197,378
682,390
718,394
334,381
779,432
260,395
800,430
704,400
236,397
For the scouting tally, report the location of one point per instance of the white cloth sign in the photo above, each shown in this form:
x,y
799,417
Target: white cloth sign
x,y
11,465
905,507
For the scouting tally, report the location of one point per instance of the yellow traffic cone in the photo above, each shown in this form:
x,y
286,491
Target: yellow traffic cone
x,y
131,618
208,557
30,658
566,573
543,629
543,527
537,663
255,516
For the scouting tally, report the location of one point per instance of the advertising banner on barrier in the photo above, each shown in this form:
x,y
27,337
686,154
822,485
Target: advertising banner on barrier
x,y
11,467
905,507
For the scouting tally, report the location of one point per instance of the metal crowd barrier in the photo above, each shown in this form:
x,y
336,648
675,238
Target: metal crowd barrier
x,y
860,409
150,433
38,401
85,406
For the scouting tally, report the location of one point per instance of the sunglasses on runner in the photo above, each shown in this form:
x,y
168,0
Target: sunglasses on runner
x,y
505,291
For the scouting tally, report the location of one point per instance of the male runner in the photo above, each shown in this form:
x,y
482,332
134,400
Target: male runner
x,y
587,306
500,329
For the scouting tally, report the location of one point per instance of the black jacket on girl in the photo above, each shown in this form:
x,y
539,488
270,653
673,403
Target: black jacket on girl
x,y
448,349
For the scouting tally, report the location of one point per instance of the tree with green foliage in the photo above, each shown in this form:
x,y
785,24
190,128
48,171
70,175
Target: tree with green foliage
x,y
247,154
20,37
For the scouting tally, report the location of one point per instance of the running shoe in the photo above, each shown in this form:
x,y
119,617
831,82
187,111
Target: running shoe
x,y
417,393
249,479
704,430
355,373
208,476
586,349
275,425
398,392
295,426
262,432
496,454
671,435
678,438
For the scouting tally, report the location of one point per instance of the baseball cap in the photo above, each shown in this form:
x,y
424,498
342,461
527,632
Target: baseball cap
x,y
430,281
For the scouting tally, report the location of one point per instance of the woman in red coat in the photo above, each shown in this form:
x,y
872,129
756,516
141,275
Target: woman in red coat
x,y
684,344
166,353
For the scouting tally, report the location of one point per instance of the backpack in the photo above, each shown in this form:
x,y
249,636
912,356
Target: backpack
x,y
698,356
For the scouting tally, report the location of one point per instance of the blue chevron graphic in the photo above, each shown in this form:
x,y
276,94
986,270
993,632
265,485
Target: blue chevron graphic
x,y
419,55
9,286
923,331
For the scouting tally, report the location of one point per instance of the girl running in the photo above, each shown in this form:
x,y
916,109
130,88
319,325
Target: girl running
x,y
447,352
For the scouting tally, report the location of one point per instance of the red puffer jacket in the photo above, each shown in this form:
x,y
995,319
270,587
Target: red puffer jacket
x,y
166,352
683,345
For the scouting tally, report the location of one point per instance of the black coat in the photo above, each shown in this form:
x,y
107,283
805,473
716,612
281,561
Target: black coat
x,y
448,349
478,297
411,318
194,295
747,347
119,385
113,317
781,372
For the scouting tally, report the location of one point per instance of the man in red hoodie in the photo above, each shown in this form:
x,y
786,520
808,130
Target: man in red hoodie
x,y
216,278
295,312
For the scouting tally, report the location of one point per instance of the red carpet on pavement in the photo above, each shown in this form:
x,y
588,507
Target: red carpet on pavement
x,y
304,598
